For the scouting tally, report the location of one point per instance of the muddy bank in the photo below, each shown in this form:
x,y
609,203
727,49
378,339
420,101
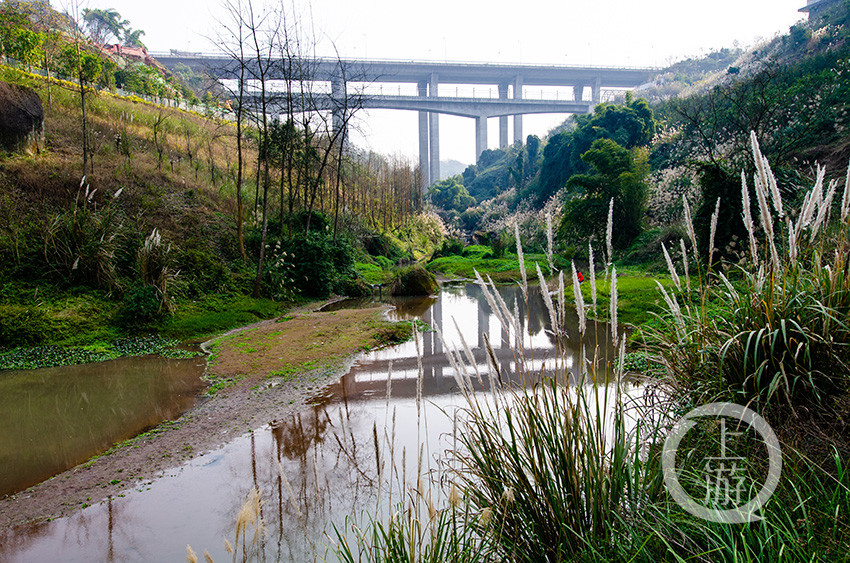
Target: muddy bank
x,y
263,372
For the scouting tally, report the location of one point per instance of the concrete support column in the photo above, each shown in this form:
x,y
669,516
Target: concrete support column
x,y
434,132
597,90
424,162
518,118
578,92
480,135
338,100
503,119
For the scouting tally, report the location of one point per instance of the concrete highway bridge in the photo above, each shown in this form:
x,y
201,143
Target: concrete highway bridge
x,y
433,81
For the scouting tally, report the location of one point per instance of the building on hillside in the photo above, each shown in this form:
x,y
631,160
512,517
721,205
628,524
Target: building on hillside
x,y
133,53
816,8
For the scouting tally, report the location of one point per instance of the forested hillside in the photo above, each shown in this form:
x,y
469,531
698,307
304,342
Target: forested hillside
x,y
686,133
139,217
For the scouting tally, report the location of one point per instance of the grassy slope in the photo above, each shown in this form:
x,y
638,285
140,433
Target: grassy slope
x,y
190,201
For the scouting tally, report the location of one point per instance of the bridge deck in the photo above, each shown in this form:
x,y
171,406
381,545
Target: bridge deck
x,y
362,70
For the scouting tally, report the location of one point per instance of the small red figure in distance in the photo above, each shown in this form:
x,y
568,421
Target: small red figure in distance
x,y
579,276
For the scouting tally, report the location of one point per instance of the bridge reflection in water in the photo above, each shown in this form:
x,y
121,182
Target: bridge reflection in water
x,y
354,454
462,310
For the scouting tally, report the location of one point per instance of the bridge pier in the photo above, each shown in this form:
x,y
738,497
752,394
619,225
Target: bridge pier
x,y
434,132
338,97
518,118
424,161
480,135
503,120
578,91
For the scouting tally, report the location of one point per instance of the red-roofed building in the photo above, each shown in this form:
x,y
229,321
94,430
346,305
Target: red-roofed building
x,y
135,53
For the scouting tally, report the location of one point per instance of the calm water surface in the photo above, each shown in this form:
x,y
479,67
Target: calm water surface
x,y
314,470
55,418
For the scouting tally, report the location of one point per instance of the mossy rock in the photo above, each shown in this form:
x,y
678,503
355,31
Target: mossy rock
x,y
414,281
353,288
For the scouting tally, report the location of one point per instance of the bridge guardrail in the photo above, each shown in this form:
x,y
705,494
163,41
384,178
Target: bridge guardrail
x,y
213,55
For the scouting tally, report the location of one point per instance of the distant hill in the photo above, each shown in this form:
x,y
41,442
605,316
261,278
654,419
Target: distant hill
x,y
449,168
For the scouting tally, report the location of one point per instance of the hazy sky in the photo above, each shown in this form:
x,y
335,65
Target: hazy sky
x,y
604,32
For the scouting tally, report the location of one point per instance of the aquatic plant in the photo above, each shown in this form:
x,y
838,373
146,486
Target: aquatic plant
x,y
52,356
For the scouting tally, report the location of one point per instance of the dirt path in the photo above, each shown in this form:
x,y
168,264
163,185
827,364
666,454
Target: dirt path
x,y
265,371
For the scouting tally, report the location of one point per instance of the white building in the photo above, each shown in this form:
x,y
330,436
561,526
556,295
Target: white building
x,y
817,7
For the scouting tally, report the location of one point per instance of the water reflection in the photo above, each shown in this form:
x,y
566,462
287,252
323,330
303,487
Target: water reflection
x,y
55,418
351,454
466,320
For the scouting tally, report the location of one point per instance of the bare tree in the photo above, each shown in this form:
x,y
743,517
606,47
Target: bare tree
x,y
160,134
233,42
262,33
82,65
324,120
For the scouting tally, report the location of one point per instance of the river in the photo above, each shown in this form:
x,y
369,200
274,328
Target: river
x,y
342,461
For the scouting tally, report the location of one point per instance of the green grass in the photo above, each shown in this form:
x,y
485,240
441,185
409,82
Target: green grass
x,y
504,269
81,325
638,296
218,313
372,273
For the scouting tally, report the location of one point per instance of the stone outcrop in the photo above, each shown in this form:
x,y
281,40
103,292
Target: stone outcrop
x,y
21,119
414,281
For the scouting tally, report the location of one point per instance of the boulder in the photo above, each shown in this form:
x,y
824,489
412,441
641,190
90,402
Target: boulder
x,y
414,281
21,119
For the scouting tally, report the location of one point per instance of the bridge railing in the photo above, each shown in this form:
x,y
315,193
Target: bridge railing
x,y
214,55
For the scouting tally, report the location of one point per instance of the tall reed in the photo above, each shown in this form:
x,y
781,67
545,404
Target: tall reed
x,y
774,329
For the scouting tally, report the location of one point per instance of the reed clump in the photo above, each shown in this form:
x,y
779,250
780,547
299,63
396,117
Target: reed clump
x,y
548,457
772,330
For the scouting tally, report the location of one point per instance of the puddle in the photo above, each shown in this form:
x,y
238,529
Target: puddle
x,y
52,419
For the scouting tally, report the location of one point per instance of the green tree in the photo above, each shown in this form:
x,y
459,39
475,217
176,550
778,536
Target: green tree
x,y
617,173
25,45
11,20
450,195
719,182
629,125
133,38
104,24
86,67
532,149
